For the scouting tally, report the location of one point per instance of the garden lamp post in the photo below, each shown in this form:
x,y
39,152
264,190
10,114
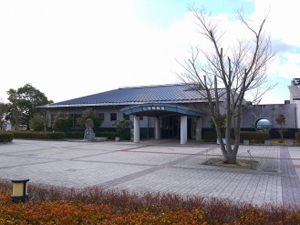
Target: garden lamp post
x,y
19,190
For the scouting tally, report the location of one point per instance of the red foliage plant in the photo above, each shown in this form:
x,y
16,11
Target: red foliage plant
x,y
59,205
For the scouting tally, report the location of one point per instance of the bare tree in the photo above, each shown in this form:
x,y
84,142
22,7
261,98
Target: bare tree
x,y
225,78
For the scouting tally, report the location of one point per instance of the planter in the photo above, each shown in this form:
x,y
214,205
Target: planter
x,y
246,142
289,143
224,141
117,138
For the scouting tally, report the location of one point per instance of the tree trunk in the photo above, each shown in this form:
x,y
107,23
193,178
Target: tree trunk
x,y
230,159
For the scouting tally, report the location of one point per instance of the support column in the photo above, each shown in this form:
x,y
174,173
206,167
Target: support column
x,y
136,129
157,128
183,130
199,129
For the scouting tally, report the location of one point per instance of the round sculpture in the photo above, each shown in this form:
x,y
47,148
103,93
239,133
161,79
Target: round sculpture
x,y
89,123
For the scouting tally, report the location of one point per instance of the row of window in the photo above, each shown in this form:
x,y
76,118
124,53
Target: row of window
x,y
113,117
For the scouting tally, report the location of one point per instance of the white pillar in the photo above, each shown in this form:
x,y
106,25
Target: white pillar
x,y
199,129
183,130
157,128
49,119
136,129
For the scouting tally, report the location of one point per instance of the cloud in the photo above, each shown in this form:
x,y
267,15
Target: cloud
x,y
279,47
282,19
72,48
286,63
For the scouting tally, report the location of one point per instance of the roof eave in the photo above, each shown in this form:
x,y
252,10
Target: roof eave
x,y
121,103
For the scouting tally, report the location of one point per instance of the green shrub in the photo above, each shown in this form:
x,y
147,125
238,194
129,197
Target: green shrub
x,y
38,135
75,134
297,136
90,114
254,136
56,135
222,123
122,126
210,136
108,134
62,121
126,136
20,134
6,137
39,122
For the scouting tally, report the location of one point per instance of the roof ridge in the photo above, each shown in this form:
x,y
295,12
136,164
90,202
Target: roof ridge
x,y
154,85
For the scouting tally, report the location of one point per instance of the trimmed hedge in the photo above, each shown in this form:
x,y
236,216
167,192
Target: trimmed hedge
x,y
297,137
108,134
210,136
75,134
254,136
6,137
80,134
38,135
126,136
58,205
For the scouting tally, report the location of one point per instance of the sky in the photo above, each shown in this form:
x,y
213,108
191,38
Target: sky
x,y
73,48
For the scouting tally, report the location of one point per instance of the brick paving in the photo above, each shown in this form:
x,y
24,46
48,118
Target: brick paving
x,y
157,166
290,180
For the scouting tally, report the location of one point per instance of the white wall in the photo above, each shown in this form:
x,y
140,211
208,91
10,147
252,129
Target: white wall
x,y
297,111
145,123
251,114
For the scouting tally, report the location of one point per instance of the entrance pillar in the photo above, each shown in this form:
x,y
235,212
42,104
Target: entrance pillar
x,y
157,127
183,130
199,129
136,129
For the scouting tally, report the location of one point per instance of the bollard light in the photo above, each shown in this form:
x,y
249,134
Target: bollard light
x,y
19,190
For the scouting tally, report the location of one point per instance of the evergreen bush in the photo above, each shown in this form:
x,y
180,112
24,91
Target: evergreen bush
x,y
75,134
210,136
108,134
62,121
254,136
6,137
38,135
297,136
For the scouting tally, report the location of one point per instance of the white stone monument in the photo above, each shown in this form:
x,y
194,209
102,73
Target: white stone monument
x,y
89,134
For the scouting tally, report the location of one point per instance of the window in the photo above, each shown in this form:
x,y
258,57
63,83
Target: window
x,y
113,116
126,117
263,125
141,117
101,116
52,119
76,116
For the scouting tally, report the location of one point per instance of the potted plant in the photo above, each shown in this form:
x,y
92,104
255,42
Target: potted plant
x,y
121,126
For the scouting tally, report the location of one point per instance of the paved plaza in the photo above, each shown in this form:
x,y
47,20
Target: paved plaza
x,y
157,165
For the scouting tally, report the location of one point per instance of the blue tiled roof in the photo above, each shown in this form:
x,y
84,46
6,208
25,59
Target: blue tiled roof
x,y
137,95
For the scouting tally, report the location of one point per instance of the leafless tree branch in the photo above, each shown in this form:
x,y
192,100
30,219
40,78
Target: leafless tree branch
x,y
242,73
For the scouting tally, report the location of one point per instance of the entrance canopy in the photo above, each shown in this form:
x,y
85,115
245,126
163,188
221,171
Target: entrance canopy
x,y
160,110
